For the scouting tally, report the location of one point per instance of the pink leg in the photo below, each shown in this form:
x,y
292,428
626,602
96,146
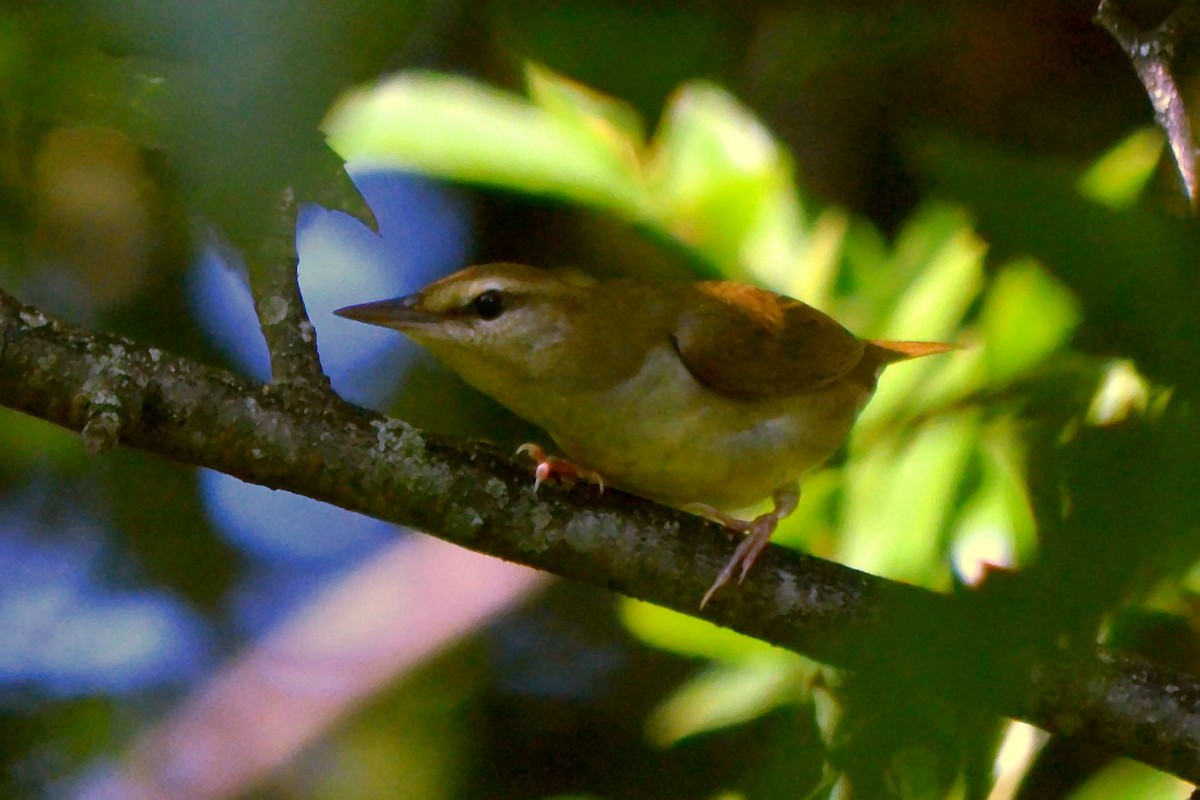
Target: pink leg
x,y
758,534
549,466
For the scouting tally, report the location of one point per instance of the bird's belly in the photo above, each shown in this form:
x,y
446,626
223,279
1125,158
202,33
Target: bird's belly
x,y
679,443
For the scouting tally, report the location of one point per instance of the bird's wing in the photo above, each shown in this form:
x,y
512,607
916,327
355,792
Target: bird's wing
x,y
748,343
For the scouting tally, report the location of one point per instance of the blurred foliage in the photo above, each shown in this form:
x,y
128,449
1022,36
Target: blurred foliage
x,y
965,458
712,177
979,173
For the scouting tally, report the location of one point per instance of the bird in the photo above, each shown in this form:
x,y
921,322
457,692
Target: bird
x,y
708,396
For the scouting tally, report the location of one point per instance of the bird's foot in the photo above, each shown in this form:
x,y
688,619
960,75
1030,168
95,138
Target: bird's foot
x,y
549,466
758,535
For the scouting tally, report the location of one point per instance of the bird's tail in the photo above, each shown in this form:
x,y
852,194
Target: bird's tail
x,y
890,352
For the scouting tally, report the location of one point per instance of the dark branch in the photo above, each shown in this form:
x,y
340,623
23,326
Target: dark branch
x,y
477,497
1153,56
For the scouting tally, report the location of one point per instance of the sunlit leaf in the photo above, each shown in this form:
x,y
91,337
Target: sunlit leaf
x,y
1122,392
712,178
932,308
1027,315
925,237
815,280
724,186
1130,269
460,129
1119,176
727,695
1128,780
586,108
934,303
996,526
899,496
689,636
865,257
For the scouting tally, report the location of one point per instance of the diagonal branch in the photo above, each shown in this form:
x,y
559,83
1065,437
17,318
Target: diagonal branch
x,y
1153,54
477,497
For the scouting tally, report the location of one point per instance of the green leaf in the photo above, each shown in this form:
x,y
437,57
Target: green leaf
x,y
690,636
899,497
1122,392
1027,316
1118,177
576,104
726,695
723,186
1128,780
28,442
996,525
931,307
459,129
713,178
815,280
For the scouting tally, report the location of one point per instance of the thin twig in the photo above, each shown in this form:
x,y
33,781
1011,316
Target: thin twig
x,y
274,282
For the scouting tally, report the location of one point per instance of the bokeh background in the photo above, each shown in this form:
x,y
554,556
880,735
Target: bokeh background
x,y
983,172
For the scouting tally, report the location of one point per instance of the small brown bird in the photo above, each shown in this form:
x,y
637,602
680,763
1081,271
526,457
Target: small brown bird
x,y
707,396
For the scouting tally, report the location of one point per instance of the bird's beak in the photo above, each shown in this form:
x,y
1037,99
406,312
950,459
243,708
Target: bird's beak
x,y
399,312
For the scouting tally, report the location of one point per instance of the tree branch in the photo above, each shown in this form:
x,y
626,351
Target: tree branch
x,y
478,497
290,336
1153,54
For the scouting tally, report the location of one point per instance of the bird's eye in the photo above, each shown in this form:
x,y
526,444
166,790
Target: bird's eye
x,y
488,305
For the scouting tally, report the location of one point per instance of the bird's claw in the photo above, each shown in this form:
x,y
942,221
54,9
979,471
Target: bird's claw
x,y
714,514
549,466
758,535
